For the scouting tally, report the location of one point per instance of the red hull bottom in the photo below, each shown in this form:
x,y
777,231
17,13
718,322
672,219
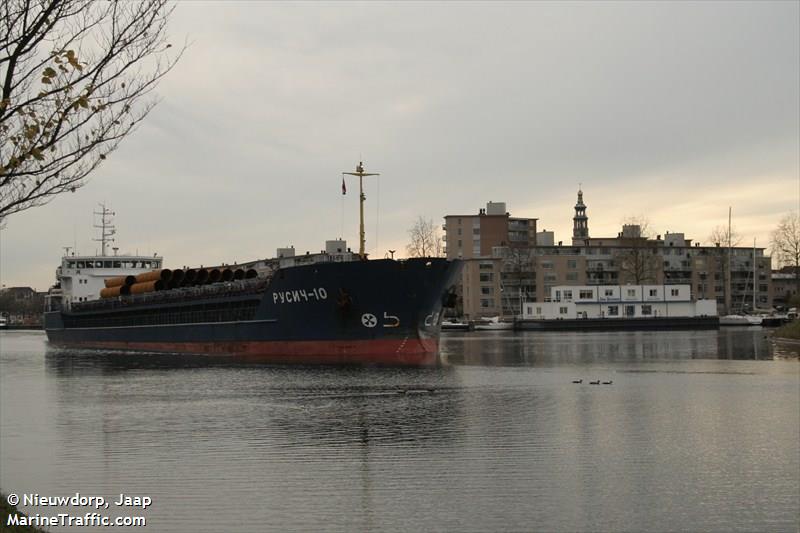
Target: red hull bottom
x,y
391,352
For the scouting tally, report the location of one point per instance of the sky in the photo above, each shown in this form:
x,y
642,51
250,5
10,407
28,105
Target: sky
x,y
673,111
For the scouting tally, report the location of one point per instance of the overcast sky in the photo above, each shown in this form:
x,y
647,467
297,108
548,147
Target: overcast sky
x,y
673,111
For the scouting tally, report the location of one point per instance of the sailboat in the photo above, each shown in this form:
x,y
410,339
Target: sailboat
x,y
740,320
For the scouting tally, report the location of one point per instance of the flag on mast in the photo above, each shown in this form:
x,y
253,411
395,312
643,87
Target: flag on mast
x,y
344,188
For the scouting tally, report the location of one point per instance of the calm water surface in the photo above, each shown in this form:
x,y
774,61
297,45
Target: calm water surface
x,y
699,431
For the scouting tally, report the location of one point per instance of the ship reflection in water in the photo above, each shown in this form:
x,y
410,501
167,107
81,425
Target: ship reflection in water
x,y
697,432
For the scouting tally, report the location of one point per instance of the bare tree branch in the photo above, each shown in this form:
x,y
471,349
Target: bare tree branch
x,y
425,239
786,244
76,75
637,257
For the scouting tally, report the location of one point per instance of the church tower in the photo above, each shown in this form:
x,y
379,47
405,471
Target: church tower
x,y
580,222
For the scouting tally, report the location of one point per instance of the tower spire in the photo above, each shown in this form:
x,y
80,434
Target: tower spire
x,y
580,222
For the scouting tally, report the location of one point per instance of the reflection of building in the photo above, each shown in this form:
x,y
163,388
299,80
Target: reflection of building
x,y
784,286
618,301
508,262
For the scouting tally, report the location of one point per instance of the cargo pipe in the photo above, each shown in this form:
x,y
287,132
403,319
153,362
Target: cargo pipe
x,y
163,275
113,292
177,277
147,286
120,280
214,276
189,276
201,277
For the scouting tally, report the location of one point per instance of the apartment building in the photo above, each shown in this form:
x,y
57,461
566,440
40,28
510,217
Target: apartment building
x,y
508,262
489,242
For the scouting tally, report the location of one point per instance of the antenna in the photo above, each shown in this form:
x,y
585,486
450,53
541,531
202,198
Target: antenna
x,y
107,229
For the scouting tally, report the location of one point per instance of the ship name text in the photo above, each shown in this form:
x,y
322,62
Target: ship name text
x,y
300,295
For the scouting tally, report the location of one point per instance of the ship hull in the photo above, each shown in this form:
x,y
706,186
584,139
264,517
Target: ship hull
x,y
372,312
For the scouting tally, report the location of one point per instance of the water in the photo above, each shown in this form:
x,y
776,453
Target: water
x,y
699,431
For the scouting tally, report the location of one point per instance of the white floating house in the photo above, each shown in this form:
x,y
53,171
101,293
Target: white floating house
x,y
618,301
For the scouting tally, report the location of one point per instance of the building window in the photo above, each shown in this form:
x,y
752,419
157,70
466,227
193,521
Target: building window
x,y
547,264
631,293
572,276
563,310
609,292
586,294
762,288
486,290
674,292
653,292
567,296
487,302
538,310
647,309
486,266
549,277
613,310
572,264
630,310
486,276
476,231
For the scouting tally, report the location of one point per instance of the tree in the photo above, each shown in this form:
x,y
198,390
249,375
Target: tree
x,y
786,244
637,255
425,239
725,237
74,76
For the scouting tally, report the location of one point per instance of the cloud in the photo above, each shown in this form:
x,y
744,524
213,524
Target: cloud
x,y
673,110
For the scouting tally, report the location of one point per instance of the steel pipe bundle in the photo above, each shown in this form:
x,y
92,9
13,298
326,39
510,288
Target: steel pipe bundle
x,y
214,276
227,274
238,274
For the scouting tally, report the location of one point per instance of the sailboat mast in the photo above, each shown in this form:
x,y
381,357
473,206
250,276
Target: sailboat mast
x,y
754,275
728,298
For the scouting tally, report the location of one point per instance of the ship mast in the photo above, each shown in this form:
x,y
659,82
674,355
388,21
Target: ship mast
x,y
360,173
107,229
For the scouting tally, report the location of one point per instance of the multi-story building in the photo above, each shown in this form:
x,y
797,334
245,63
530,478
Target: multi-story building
x,y
501,272
494,247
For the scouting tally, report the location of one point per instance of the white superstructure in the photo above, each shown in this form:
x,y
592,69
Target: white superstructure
x,y
80,278
618,301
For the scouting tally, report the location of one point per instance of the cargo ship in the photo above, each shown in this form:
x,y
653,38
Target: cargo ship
x,y
333,307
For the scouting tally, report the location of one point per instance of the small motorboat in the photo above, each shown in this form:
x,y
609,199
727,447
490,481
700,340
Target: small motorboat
x,y
493,323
